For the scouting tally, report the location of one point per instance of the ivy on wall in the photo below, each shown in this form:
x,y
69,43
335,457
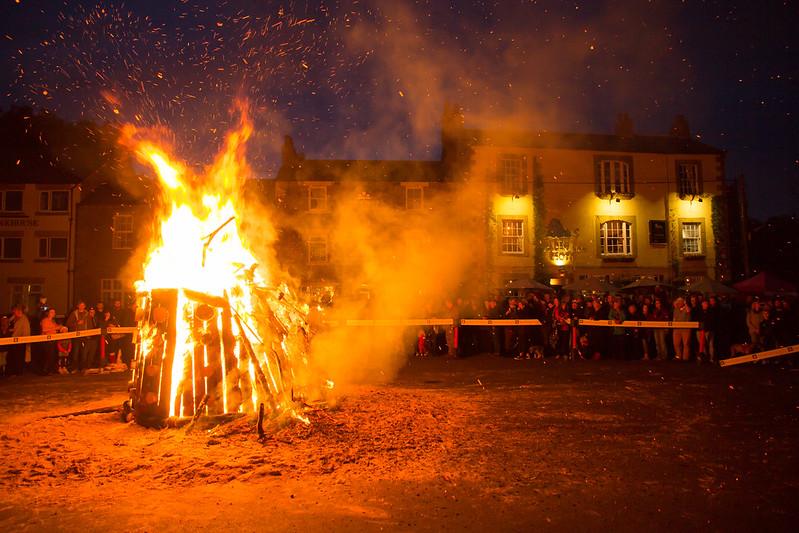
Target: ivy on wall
x,y
539,226
721,235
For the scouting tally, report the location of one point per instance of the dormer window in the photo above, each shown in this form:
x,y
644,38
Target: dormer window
x,y
689,178
614,177
317,198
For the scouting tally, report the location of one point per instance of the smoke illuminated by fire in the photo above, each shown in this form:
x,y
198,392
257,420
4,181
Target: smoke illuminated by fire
x,y
217,330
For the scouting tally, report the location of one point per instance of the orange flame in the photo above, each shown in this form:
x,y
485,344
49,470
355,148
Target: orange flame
x,y
198,249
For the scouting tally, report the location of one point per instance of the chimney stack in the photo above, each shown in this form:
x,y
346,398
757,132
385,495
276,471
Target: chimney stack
x,y
680,128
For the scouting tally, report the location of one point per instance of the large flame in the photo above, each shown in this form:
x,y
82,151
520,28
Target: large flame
x,y
199,252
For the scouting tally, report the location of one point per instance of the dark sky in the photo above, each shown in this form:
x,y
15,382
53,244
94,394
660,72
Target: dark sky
x,y
369,79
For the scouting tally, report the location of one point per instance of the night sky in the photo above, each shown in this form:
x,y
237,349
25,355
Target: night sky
x,y
369,80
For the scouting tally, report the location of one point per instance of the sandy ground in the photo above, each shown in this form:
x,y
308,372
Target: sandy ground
x,y
477,444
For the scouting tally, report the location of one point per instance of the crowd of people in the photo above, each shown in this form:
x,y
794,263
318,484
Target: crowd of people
x,y
727,326
83,354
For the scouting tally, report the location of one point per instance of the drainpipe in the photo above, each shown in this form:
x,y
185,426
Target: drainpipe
x,y
668,222
73,207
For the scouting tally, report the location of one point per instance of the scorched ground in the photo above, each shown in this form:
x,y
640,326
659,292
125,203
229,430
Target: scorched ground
x,y
593,445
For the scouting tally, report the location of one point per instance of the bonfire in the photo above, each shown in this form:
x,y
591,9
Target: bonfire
x,y
218,334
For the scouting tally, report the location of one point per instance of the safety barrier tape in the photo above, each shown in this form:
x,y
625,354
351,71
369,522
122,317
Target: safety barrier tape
x,y
69,335
408,322
752,357
500,322
639,324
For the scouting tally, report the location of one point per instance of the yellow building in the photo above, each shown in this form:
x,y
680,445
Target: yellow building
x,y
549,206
622,206
37,240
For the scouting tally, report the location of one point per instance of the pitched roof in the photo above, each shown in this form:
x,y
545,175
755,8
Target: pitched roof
x,y
653,144
360,170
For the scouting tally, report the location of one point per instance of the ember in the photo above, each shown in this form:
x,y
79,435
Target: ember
x,y
218,335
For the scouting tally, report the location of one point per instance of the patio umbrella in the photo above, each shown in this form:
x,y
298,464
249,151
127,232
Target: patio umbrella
x,y
528,284
644,283
765,283
590,285
709,286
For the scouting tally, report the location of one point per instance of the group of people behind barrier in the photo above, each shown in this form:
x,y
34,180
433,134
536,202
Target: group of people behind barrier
x,y
83,354
720,327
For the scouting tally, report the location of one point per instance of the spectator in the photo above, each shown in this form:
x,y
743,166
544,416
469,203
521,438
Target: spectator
x,y
50,349
5,331
78,320
682,336
659,313
707,331
753,319
618,339
19,355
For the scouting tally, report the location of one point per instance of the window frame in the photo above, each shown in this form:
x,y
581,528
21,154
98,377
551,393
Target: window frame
x,y
522,238
419,188
626,191
122,238
4,247
513,185
702,240
48,203
601,239
4,201
116,291
311,199
317,240
47,240
698,180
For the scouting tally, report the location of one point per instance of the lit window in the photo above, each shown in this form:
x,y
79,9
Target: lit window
x,y
692,238
53,248
317,250
414,197
54,201
122,232
512,172
317,198
513,237
689,180
115,289
11,248
615,239
614,178
10,201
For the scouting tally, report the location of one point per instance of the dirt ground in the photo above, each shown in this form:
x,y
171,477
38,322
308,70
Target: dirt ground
x,y
476,444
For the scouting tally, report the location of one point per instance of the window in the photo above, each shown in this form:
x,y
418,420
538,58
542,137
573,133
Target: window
x,y
317,250
657,232
689,179
10,248
317,198
691,238
513,236
614,178
11,201
115,289
414,197
512,172
54,201
615,239
52,248
27,294
122,232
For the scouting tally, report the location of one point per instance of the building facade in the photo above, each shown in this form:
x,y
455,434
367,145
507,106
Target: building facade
x,y
553,207
37,240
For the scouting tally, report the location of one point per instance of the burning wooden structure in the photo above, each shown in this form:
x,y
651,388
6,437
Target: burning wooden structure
x,y
218,336
195,356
